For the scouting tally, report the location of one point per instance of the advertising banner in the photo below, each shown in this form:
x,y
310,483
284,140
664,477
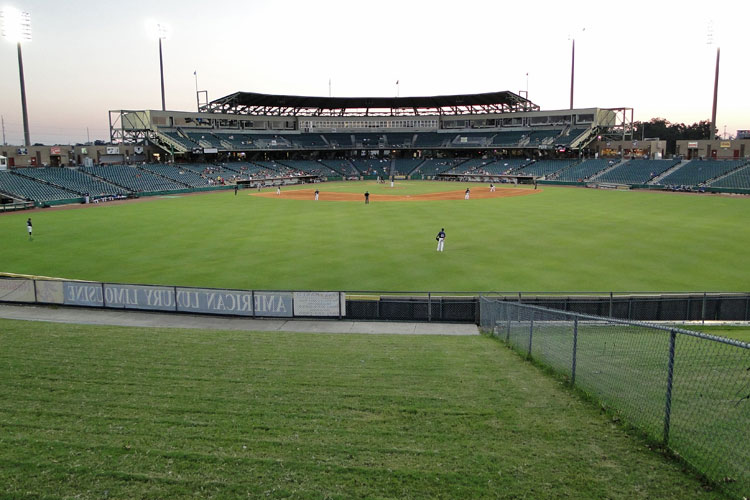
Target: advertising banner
x,y
277,304
210,301
113,150
319,304
49,292
16,290
82,294
153,298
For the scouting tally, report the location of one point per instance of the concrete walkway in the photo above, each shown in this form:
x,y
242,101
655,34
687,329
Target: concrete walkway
x,y
114,317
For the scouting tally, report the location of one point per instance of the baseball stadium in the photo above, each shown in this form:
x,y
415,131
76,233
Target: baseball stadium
x,y
584,330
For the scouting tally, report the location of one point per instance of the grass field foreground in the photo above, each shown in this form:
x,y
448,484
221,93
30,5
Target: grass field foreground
x,y
558,239
95,412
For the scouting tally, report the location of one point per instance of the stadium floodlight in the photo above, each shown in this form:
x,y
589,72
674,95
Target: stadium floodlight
x,y
161,31
15,26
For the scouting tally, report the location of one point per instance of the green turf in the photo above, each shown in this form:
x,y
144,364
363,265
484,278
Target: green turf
x,y
559,239
741,333
107,412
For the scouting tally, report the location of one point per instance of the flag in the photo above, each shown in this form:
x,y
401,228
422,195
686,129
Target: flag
x,y
195,73
396,82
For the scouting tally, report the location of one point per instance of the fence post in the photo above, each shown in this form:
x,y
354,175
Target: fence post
x,y
610,304
252,299
429,306
36,299
531,331
176,307
670,373
575,352
340,305
703,310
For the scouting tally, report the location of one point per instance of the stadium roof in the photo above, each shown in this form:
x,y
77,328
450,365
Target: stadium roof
x,y
250,103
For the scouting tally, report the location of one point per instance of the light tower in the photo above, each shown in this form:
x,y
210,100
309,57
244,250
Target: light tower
x,y
161,31
16,27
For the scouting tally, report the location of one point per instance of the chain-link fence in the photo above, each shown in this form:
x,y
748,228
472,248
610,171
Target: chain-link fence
x,y
689,390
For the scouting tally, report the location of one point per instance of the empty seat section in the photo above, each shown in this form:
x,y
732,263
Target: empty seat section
x,y
435,166
345,167
134,179
181,174
699,171
74,180
399,139
404,166
545,167
636,171
739,179
205,139
24,188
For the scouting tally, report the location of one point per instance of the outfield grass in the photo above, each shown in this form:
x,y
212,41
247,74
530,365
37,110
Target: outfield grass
x,y
560,239
107,412
741,333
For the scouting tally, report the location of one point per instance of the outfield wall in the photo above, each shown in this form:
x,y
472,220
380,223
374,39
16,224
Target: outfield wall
x,y
380,306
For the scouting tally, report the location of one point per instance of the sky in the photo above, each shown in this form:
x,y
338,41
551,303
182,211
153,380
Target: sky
x,y
91,56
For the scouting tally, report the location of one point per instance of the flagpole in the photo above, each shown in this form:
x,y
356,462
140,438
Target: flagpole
x,y
398,88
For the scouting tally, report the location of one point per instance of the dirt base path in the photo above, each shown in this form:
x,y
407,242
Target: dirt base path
x,y
309,194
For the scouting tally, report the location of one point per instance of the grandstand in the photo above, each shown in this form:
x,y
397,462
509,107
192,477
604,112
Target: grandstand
x,y
134,179
24,188
697,172
543,168
581,171
405,166
636,171
72,180
738,179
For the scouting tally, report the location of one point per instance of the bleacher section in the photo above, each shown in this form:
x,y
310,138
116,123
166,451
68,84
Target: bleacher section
x,y
307,141
542,137
739,179
500,167
24,188
133,179
380,168
434,166
181,141
472,139
698,172
404,166
574,134
339,140
366,141
273,168
181,174
543,168
399,140
344,167
72,180
431,140
472,166
636,171
204,139
582,171
509,139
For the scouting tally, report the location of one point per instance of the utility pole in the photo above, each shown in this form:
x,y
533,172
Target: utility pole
x,y
716,93
2,119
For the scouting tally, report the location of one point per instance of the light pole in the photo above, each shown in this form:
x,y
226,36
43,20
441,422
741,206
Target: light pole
x,y
161,32
16,27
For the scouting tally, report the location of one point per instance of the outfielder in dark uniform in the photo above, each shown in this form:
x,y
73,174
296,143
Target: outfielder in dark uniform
x,y
440,239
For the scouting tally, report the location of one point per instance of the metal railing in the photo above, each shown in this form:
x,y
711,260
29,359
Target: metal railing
x,y
688,390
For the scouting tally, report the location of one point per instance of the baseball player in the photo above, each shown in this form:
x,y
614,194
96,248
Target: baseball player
x,y
492,188
466,195
440,238
28,226
367,197
278,190
317,193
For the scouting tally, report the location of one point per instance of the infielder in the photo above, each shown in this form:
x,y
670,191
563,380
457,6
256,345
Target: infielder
x,y
28,226
317,193
440,239
466,195
492,188
278,190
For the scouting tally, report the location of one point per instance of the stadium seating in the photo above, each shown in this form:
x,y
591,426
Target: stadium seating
x,y
431,140
342,167
306,141
184,142
574,134
542,137
739,179
434,166
543,168
205,139
380,168
405,166
274,168
504,166
181,174
338,140
636,171
472,139
21,187
509,138
471,166
698,172
582,171
399,140
235,140
73,180
366,141
133,179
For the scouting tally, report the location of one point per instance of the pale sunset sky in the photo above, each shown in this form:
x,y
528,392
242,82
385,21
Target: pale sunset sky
x,y
88,57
